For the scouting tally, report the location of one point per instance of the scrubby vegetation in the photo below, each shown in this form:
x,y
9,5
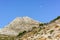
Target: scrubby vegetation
x,y
42,24
55,19
51,31
33,27
21,33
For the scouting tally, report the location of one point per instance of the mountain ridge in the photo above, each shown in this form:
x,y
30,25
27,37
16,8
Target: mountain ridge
x,y
25,28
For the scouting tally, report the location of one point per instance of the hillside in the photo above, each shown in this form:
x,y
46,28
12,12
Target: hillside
x,y
25,28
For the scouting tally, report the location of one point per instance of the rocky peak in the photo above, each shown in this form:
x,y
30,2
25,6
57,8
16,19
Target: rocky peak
x,y
24,20
20,24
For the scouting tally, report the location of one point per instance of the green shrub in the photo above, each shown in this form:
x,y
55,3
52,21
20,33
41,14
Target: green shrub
x,y
21,33
56,19
46,23
41,24
51,31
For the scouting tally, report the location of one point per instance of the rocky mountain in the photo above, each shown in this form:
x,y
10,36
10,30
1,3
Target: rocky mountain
x,y
18,25
25,28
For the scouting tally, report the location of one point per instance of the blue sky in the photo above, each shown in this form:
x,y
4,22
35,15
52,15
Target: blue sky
x,y
41,10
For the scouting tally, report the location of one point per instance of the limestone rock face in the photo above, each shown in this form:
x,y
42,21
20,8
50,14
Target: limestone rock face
x,y
19,24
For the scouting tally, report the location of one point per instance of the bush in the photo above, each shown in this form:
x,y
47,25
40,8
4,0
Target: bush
x,y
51,31
21,33
41,24
46,23
56,19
